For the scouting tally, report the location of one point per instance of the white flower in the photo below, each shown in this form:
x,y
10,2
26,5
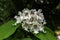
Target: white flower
x,y
19,13
32,20
58,37
25,26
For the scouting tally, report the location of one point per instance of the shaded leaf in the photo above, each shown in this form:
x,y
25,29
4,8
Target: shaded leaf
x,y
27,39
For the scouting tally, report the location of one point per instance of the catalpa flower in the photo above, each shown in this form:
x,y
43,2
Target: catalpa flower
x,y
31,20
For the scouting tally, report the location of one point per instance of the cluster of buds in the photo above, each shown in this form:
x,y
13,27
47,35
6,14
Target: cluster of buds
x,y
31,20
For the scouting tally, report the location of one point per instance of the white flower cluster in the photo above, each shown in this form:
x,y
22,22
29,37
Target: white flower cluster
x,y
32,20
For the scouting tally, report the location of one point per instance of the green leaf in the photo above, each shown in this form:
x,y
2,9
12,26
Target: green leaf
x,y
40,36
49,35
7,29
27,39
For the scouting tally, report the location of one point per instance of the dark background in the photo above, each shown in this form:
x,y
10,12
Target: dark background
x,y
50,9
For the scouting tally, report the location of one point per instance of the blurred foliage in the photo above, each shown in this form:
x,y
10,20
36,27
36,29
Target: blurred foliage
x,y
27,39
57,32
6,10
58,6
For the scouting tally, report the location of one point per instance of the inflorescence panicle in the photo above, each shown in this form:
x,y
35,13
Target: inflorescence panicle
x,y
31,20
